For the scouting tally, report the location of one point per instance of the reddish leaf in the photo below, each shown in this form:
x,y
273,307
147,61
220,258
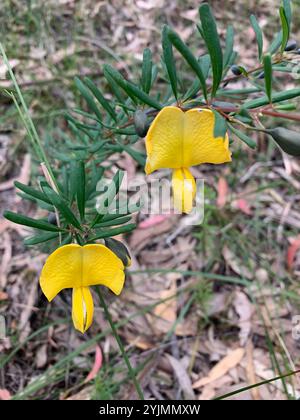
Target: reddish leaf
x,y
4,395
243,205
291,253
222,192
97,365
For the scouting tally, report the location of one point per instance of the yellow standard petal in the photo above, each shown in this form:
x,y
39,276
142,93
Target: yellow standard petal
x,y
62,270
102,266
74,266
178,139
184,190
82,308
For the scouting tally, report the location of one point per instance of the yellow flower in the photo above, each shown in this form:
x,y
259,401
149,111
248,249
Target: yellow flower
x,y
179,140
78,267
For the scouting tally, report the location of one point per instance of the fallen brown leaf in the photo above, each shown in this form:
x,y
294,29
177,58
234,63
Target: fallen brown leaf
x,y
220,369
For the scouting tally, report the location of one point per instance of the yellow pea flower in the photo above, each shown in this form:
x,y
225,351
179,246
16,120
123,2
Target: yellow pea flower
x,y
179,140
78,267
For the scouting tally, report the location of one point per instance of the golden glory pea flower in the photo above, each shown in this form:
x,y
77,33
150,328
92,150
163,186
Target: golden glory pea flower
x,y
179,140
79,267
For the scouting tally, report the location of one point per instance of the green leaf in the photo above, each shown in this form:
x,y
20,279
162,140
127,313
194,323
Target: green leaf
x,y
229,42
100,98
62,207
285,24
114,222
183,49
169,59
113,232
268,75
119,249
137,156
276,97
38,239
142,96
116,76
275,43
212,41
39,195
288,140
147,70
258,34
80,188
109,195
20,219
242,136
288,10
132,90
88,98
220,128
113,85
205,64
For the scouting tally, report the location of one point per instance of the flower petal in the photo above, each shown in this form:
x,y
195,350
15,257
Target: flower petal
x,y
102,266
200,144
178,139
164,140
184,190
61,270
82,308
74,266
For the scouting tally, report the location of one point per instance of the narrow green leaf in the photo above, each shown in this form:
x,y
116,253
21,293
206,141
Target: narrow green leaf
x,y
142,96
288,10
205,64
20,219
132,90
220,128
276,97
80,188
183,49
212,41
113,232
39,195
100,98
275,43
147,70
229,42
38,239
62,207
258,34
108,196
117,77
118,221
268,75
169,59
242,136
88,98
139,157
285,24
113,85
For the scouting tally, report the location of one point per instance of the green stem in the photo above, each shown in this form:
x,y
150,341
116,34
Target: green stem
x,y
120,344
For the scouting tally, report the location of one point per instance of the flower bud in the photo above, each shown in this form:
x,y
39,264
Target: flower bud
x,y
120,250
236,70
140,123
288,140
52,219
291,45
